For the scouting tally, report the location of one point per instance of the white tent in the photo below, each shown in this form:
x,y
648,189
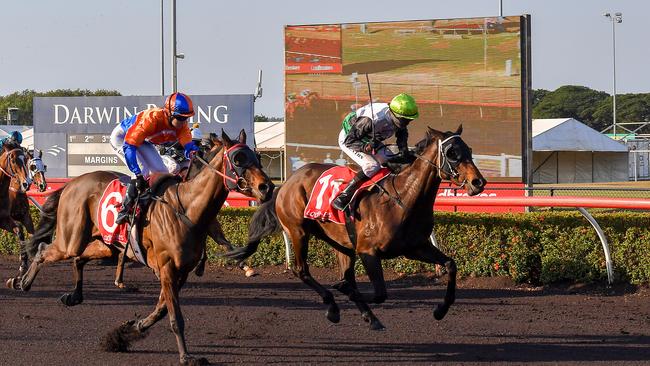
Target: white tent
x,y
269,141
567,151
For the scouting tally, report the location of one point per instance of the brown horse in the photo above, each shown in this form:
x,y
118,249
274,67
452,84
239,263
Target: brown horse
x,y
391,222
19,205
173,232
14,180
213,146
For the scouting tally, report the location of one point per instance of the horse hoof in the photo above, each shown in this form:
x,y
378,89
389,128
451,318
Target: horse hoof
x,y
199,271
13,283
376,325
333,315
249,272
440,312
127,288
70,300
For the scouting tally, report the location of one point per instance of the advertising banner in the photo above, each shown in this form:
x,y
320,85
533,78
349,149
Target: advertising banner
x,y
74,132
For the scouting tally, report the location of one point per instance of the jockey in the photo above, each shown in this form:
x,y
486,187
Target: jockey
x,y
134,137
14,136
361,136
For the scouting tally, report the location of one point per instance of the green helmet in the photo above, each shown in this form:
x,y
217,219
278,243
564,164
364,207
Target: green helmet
x,y
404,106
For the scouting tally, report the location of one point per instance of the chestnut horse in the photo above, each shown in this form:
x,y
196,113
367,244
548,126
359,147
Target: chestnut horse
x,y
391,222
19,205
173,234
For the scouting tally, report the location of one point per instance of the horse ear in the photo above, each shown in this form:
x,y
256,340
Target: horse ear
x,y
226,140
459,130
242,136
40,154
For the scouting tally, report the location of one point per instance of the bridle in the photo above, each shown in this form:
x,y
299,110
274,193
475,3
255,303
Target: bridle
x,y
233,173
447,165
8,170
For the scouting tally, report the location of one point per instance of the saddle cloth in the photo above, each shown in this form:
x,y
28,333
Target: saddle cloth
x,y
327,187
109,206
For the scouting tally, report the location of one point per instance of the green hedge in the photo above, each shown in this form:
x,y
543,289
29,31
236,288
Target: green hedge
x,y
541,247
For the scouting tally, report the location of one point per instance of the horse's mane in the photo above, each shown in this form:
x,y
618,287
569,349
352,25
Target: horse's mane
x,y
421,145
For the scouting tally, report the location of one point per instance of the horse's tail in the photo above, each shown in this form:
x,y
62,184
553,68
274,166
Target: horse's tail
x,y
263,223
46,225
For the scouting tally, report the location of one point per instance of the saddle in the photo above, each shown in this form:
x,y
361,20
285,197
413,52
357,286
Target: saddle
x,y
327,187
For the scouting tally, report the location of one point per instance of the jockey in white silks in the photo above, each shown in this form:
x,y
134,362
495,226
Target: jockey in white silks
x,y
362,134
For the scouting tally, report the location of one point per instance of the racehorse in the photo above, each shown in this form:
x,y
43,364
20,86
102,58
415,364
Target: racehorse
x,y
396,220
209,150
19,205
173,232
14,179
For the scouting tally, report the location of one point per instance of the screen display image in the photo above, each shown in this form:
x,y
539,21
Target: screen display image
x,y
460,71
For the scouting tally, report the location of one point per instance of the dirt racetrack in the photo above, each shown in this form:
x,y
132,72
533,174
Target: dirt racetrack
x,y
275,319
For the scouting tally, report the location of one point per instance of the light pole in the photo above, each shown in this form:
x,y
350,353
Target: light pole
x,y
616,18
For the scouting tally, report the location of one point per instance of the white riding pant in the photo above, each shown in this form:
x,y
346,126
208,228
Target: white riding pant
x,y
149,159
370,164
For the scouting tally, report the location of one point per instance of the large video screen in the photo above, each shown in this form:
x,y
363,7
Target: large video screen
x,y
460,71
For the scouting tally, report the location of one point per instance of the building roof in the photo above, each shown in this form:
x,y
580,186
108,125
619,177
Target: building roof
x,y
269,135
568,134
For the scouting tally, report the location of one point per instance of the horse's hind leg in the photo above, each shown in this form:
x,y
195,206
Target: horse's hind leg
x,y
426,252
94,250
348,286
300,243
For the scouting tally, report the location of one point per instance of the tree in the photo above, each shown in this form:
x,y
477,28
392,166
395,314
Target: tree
x,y
538,95
24,100
629,108
263,118
570,101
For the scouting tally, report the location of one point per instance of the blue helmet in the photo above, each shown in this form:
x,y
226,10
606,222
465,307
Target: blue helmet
x,y
16,136
179,105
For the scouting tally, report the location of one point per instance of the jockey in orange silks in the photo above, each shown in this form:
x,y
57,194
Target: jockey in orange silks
x,y
134,138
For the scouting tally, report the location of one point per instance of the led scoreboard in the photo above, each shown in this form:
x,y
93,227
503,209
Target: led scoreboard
x,y
90,152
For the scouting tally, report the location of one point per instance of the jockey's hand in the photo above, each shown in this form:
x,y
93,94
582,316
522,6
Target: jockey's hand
x,y
372,146
140,183
190,149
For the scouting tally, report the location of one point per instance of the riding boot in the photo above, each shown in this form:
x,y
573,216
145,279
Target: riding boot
x,y
127,204
343,199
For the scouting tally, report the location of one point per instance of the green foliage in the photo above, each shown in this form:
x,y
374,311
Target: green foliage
x,y
263,118
540,247
570,101
24,100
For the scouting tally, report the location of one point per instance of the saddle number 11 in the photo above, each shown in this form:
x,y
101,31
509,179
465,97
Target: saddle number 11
x,y
325,183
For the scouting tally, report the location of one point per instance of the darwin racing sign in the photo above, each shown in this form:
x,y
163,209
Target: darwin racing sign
x,y
75,132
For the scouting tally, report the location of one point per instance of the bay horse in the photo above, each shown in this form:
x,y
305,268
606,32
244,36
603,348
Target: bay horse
x,y
14,179
19,205
212,147
173,233
395,221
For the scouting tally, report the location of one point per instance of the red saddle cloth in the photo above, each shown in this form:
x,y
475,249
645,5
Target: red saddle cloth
x,y
109,206
327,187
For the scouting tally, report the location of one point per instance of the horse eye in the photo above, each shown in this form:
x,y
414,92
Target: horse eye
x,y
451,154
32,168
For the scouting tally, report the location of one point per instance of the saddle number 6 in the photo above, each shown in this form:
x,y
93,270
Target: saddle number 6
x,y
108,206
325,183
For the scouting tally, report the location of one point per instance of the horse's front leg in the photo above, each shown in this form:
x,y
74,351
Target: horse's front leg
x,y
348,286
427,253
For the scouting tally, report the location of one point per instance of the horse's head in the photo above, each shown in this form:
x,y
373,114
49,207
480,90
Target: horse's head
x,y
37,169
454,159
13,163
244,170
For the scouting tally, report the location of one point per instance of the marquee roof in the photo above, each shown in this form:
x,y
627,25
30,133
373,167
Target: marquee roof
x,y
568,134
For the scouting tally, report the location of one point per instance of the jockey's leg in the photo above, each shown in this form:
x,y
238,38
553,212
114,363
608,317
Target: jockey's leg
x,y
127,203
343,199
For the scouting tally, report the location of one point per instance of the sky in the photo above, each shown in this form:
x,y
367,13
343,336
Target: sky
x,y
99,44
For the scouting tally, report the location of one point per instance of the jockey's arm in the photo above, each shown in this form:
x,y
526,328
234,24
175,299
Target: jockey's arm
x,y
360,130
402,137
